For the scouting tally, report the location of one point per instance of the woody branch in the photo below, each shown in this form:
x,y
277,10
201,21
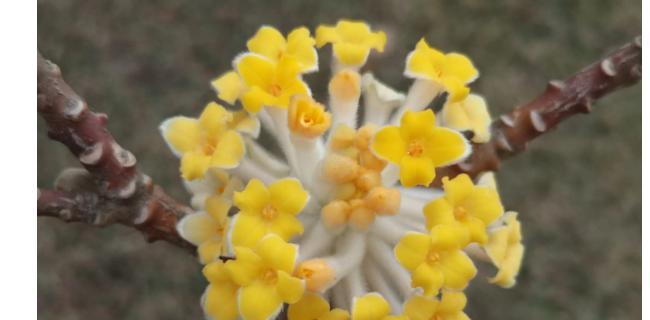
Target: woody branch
x,y
512,131
110,189
113,191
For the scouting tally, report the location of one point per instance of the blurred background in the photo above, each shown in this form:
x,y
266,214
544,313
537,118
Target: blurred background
x,y
577,189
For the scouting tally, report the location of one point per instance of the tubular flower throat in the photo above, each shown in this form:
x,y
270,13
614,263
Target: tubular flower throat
x,y
330,215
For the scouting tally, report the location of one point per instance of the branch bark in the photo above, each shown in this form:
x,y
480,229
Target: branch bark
x,y
511,132
112,190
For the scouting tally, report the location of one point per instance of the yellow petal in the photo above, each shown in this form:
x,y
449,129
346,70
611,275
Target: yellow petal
x,y
247,230
229,151
459,66
458,269
420,308
469,114
244,123
221,301
452,302
416,171
229,86
351,53
194,164
277,253
445,146
336,314
181,133
255,70
286,226
449,236
213,119
326,34
457,89
412,249
210,250
300,45
197,228
437,212
311,306
217,207
476,229
417,125
371,306
246,266
507,274
253,198
388,144
427,277
288,195
458,188
255,98
268,42
216,272
259,301
484,204
289,288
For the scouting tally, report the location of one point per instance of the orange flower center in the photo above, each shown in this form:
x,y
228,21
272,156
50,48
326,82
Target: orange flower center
x,y
436,317
269,276
433,256
220,189
269,212
307,121
275,90
415,149
460,213
209,146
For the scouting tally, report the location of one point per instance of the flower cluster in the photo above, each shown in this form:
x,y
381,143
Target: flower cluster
x,y
339,221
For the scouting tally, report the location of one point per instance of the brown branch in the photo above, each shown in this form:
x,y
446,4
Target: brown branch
x,y
111,190
561,99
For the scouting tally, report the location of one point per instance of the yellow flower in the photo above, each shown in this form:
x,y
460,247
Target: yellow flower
x,y
229,86
265,276
299,45
314,307
212,141
268,83
207,229
220,298
216,182
469,114
268,210
435,260
372,306
473,207
307,117
351,41
417,146
506,251
452,71
449,307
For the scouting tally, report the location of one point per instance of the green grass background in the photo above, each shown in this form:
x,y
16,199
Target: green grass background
x,y
577,189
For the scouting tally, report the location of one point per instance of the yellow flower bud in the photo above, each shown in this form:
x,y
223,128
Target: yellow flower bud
x,y
307,117
316,273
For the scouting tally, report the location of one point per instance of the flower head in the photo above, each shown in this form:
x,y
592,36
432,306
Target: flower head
x,y
469,114
506,251
449,307
298,45
314,307
268,210
417,146
435,260
264,274
212,141
307,117
269,84
473,207
452,71
351,41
